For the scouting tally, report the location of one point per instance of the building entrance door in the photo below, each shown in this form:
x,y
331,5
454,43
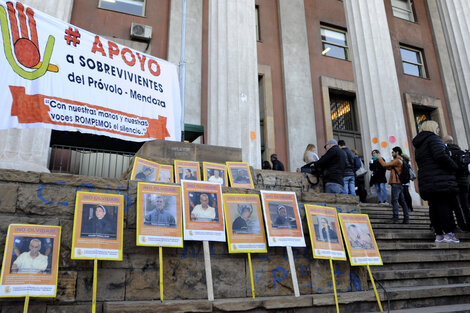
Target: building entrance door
x,y
344,121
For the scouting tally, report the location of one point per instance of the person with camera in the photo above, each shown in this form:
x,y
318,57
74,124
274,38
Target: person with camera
x,y
460,205
332,165
436,179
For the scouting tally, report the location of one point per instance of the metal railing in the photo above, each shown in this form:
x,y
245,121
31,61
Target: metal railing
x,y
88,161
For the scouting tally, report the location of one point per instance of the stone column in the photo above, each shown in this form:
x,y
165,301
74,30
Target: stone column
x,y
28,149
233,104
298,95
193,53
454,45
381,115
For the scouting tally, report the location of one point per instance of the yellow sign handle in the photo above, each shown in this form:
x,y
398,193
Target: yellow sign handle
x,y
26,304
375,289
160,258
334,284
251,276
95,284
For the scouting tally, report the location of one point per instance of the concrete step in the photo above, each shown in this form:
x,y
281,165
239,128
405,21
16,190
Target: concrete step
x,y
389,225
385,274
400,245
388,214
413,282
400,298
453,308
411,256
406,234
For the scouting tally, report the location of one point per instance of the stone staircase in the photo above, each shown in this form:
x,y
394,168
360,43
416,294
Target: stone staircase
x,y
418,274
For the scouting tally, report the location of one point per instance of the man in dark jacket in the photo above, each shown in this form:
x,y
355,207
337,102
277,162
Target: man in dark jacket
x,y
460,205
349,183
277,165
332,163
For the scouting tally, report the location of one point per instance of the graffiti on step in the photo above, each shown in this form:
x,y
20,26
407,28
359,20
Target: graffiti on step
x,y
90,188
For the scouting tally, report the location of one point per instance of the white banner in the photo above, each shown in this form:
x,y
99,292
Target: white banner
x,y
56,75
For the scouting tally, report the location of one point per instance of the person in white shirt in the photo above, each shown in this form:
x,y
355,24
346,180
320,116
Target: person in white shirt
x,y
216,178
203,210
32,262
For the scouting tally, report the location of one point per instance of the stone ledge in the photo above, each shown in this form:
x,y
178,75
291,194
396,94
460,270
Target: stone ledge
x,y
19,176
77,180
157,306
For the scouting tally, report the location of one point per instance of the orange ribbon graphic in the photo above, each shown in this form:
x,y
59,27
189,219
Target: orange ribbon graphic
x,y
33,109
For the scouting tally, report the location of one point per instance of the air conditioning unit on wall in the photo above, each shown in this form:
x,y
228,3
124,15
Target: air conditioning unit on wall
x,y
141,32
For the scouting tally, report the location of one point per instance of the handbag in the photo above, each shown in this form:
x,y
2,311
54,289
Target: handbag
x,y
361,171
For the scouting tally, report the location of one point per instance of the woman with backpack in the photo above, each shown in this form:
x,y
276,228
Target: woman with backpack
x,y
436,178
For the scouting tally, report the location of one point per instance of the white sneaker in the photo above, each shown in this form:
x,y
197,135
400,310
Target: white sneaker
x,y
450,237
439,238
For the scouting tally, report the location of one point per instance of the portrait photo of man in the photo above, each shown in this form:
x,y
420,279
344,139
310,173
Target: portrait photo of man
x,y
99,221
216,176
203,211
324,231
240,176
158,212
283,216
145,174
31,261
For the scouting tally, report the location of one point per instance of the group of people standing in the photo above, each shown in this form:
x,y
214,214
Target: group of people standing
x,y
339,166
442,178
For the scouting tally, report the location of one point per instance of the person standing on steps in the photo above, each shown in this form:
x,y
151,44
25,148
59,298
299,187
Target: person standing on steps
x,y
436,179
349,183
396,166
378,177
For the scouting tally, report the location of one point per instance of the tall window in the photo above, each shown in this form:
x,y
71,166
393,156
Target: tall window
x,y
334,43
135,7
412,60
403,9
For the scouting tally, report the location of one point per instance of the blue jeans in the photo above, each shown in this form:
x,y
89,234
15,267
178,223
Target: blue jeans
x,y
333,188
380,187
349,186
398,197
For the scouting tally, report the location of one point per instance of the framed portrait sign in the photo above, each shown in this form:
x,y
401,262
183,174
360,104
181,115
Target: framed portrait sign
x,y
240,175
144,170
215,173
159,215
187,170
98,226
165,174
325,232
203,211
244,223
30,261
359,239
282,219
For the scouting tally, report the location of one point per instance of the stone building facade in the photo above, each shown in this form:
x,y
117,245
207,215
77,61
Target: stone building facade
x,y
271,76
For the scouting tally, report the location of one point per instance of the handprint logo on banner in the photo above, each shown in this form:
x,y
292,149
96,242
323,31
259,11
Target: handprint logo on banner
x,y
26,46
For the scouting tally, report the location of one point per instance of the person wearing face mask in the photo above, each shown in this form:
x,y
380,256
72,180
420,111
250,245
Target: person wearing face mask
x,y
378,177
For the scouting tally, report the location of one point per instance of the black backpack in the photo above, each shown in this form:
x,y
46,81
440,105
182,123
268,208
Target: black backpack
x,y
404,176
